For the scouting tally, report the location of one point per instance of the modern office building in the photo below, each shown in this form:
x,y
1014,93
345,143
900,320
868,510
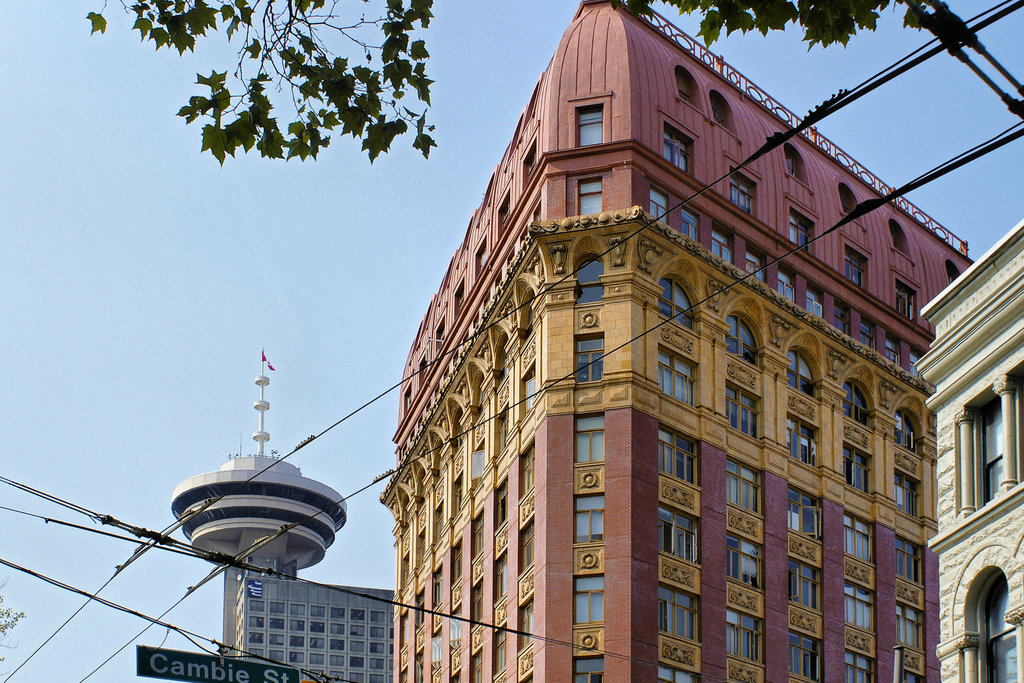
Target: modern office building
x,y
975,364
344,633
647,442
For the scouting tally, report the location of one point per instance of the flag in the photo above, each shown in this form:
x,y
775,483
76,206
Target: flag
x,y
267,361
255,588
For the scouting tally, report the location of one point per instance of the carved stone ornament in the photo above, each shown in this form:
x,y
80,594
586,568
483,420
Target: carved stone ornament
x,y
906,462
591,479
532,266
836,363
646,250
435,675
478,569
677,339
503,395
558,256
436,622
888,393
856,436
678,653
456,594
684,576
741,523
501,541
477,637
457,658
618,252
857,572
742,598
713,289
969,640
913,662
778,329
526,585
589,640
739,373
526,509
589,560
858,641
1004,385
501,613
419,638
1015,615
805,621
742,673
525,662
478,433
965,415
908,593
803,549
589,320
679,496
529,353
801,407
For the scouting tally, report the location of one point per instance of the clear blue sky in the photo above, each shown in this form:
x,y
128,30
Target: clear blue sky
x,y
141,279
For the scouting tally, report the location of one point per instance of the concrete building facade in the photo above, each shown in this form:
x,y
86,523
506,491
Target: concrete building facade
x,y
975,364
740,489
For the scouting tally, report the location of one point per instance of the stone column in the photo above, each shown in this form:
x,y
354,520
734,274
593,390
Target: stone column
x,y
969,652
1015,616
1006,387
965,423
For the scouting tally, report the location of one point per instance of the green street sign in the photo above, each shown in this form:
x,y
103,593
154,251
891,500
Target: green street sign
x,y
203,668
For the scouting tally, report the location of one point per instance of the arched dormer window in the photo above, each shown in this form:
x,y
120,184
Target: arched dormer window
x,y
799,374
674,304
899,239
794,163
588,281
952,272
720,110
740,340
904,431
686,88
855,406
1000,656
846,198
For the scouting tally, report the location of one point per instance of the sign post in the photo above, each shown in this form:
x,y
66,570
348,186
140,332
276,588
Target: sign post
x,y
177,665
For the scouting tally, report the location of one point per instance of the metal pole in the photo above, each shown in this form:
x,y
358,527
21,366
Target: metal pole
x,y
897,664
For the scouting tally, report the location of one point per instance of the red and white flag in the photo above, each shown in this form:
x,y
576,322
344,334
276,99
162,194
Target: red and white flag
x,y
267,361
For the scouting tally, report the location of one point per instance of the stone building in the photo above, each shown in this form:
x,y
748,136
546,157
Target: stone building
x,y
741,487
975,362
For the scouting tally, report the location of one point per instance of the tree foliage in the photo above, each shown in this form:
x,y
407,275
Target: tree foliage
x,y
348,73
8,618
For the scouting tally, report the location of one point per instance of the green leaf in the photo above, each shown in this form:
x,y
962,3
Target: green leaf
x,y
98,22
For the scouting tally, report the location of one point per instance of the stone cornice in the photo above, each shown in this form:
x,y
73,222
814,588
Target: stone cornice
x,y
965,530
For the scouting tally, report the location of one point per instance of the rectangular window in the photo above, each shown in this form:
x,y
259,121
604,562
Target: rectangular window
x,y
590,196
526,548
500,577
803,513
530,387
476,536
867,333
675,456
857,537
675,376
804,584
754,264
677,534
588,670
908,625
526,623
590,439
908,560
743,635
743,560
590,122
892,349
589,359
589,599
906,494
677,613
741,411
476,464
741,192
499,651
859,605
670,675
742,486
906,301
677,148
526,472
589,519
991,448
784,285
659,205
802,441
436,588
855,264
455,634
476,602
721,245
688,224
457,492
804,656
813,302
841,318
856,470
859,669
801,230
456,563
501,504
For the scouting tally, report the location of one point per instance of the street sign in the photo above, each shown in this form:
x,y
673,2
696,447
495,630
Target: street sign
x,y
176,665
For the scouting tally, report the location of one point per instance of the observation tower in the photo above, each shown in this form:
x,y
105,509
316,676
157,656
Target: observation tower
x,y
261,494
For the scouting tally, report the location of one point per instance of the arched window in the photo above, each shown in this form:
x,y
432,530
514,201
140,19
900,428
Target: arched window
x,y
855,406
673,303
741,340
846,198
904,431
588,281
899,240
794,163
720,110
952,272
799,374
1000,641
685,86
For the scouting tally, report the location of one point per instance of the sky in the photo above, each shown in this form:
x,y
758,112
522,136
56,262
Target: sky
x,y
141,279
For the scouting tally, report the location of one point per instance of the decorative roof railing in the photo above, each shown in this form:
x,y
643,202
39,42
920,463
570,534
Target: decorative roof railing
x,y
770,104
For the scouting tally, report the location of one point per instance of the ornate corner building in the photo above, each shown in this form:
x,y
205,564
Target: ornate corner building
x,y
612,438
976,363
